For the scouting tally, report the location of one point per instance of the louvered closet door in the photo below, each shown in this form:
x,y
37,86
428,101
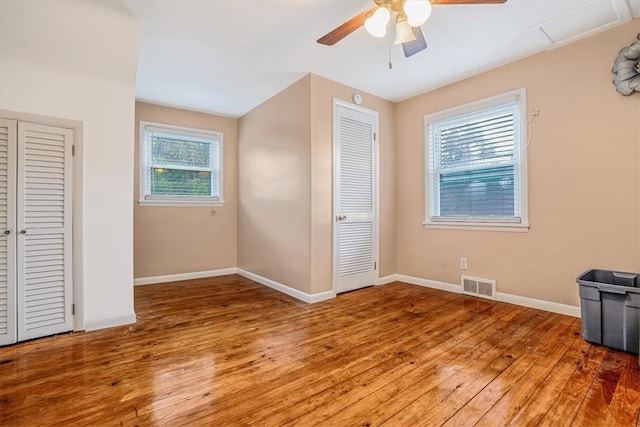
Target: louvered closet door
x,y
355,236
8,328
44,230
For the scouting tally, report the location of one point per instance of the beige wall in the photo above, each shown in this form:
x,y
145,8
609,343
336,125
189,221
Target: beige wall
x,y
584,183
274,239
286,179
174,240
583,176
323,91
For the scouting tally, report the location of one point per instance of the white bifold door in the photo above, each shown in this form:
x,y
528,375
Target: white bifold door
x,y
355,197
35,231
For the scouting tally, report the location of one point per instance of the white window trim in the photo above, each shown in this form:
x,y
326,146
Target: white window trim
x,y
482,224
182,201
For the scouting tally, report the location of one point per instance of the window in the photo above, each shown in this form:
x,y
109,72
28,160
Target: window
x,y
476,165
180,166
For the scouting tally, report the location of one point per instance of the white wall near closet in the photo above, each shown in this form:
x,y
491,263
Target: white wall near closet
x,y
35,230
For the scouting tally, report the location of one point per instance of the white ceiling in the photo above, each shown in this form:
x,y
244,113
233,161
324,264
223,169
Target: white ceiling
x,y
228,56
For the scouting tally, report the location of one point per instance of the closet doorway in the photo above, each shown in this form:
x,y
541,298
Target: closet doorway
x,y
355,186
36,187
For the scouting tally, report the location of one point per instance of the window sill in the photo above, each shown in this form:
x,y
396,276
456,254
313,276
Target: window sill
x,y
478,226
182,204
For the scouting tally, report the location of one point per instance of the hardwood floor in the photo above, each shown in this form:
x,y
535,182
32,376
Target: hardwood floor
x,y
228,351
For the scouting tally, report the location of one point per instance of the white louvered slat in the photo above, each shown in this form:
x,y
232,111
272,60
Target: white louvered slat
x,y
356,168
357,256
46,263
44,201
45,302
355,186
8,163
44,151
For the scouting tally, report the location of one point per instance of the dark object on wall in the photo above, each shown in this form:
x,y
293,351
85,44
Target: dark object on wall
x,y
610,308
627,69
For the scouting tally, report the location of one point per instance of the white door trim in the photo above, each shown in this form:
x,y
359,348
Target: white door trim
x,y
376,209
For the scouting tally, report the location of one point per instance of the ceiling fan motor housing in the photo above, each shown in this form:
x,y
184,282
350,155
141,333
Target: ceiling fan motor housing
x,y
420,12
393,5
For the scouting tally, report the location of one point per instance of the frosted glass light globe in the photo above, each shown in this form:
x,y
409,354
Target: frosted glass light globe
x,y
417,11
376,24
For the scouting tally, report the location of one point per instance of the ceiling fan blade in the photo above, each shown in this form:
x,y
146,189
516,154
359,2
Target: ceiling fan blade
x,y
434,2
345,29
415,46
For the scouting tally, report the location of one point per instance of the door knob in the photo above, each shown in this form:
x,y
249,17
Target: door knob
x,y
23,231
7,232
341,218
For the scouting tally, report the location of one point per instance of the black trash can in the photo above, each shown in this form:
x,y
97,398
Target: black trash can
x,y
610,309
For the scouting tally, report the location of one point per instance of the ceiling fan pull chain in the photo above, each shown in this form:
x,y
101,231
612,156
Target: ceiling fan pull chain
x,y
390,45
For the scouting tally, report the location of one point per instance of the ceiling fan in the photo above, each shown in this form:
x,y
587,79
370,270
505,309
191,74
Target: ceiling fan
x,y
411,14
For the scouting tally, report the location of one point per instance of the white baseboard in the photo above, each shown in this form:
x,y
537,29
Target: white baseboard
x,y
184,276
554,307
302,296
387,279
429,283
92,325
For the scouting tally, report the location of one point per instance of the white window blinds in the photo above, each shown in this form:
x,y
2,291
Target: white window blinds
x,y
475,164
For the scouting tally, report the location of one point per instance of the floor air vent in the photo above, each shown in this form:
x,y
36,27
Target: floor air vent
x,y
483,288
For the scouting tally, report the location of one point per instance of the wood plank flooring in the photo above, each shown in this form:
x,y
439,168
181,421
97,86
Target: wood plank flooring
x,y
228,351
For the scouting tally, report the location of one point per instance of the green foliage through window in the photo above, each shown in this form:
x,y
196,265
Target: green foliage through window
x,y
180,182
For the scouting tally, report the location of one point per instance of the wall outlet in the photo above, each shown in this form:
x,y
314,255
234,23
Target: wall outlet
x,y
463,263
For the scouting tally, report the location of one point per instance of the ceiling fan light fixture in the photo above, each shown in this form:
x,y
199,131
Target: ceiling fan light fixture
x,y
417,11
376,24
404,32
